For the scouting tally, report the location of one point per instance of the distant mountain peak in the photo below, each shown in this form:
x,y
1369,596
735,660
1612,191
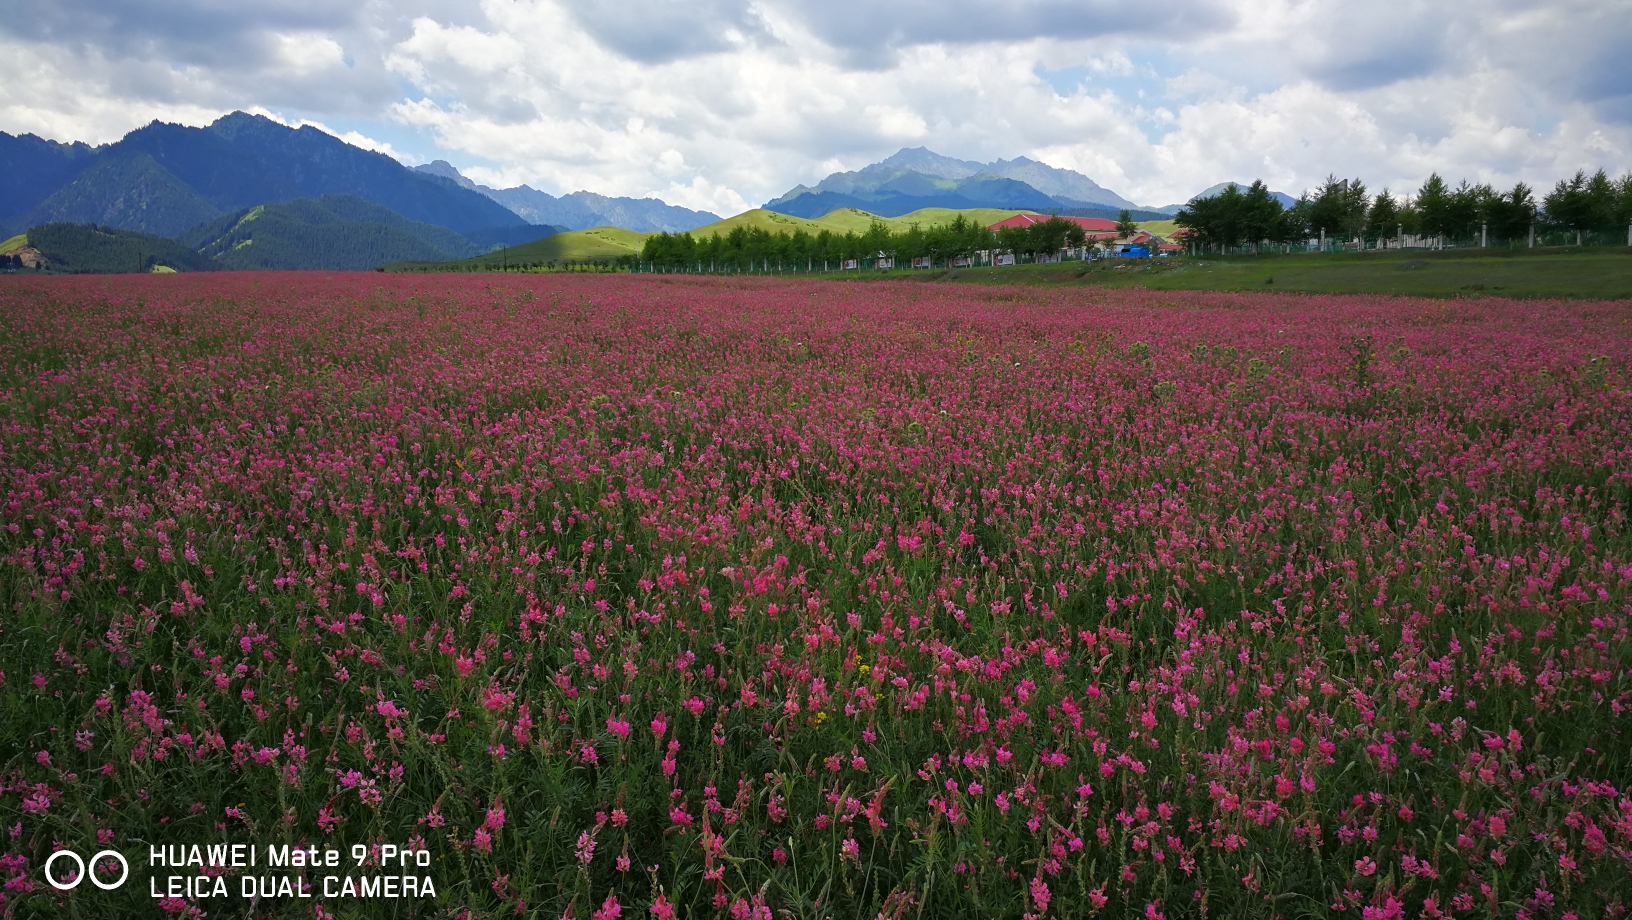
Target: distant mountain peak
x,y
447,171
888,187
926,161
242,118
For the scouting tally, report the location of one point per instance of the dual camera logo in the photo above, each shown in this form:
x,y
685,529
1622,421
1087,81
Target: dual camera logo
x,y
82,873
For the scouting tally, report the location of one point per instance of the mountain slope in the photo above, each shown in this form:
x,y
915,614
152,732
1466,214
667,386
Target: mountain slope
x,y
580,210
1067,186
77,248
498,237
32,168
334,232
127,190
243,160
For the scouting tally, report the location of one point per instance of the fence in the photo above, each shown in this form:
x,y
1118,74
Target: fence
x,y
1536,237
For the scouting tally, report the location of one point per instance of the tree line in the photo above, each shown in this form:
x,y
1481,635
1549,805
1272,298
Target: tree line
x,y
754,247
1343,209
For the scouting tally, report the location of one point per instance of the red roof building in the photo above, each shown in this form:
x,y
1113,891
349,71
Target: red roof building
x,y
1092,225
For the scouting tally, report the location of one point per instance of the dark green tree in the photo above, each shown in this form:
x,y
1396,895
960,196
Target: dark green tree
x,y
1463,208
1623,201
1260,214
1293,226
1339,208
1383,220
1578,204
1433,204
1511,214
1219,220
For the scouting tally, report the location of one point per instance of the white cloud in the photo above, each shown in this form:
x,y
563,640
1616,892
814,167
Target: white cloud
x,y
306,52
55,93
724,103
703,195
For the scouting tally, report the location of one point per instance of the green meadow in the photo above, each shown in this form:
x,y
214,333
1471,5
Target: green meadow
x,y
1590,273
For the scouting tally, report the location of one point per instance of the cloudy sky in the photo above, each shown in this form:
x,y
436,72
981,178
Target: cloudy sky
x,y
723,104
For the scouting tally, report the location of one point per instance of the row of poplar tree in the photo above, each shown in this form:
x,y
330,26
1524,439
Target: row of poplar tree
x,y
755,248
1578,209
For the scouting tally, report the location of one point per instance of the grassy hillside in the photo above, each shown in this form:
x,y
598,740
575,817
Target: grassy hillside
x,y
599,243
1600,274
1162,228
933,217
847,220
12,245
761,219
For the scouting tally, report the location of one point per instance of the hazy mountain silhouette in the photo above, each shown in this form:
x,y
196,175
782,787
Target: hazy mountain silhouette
x,y
581,210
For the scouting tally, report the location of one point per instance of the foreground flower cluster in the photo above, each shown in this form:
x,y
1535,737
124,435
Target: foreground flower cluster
x,y
680,597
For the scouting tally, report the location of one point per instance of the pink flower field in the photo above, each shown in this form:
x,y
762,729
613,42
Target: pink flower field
x,y
632,596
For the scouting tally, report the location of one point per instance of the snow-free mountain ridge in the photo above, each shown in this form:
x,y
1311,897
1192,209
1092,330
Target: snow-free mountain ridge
x,y
581,210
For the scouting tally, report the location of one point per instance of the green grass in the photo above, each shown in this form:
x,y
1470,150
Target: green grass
x,y
1162,228
12,245
1596,273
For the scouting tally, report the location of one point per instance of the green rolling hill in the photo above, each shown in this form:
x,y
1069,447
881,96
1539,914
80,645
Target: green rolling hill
x,y
600,244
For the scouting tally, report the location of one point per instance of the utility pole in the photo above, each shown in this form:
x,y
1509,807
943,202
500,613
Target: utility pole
x,y
1399,236
1484,234
1532,236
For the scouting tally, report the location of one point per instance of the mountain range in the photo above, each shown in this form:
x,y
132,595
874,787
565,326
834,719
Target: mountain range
x,y
165,178
581,210
916,177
